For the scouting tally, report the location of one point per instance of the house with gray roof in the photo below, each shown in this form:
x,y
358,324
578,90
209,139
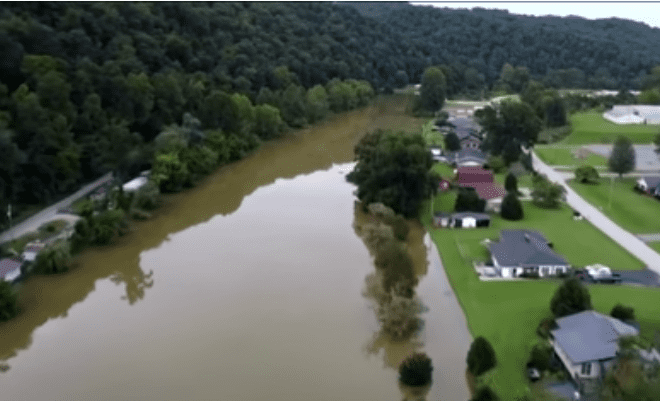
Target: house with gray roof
x,y
522,252
649,185
587,344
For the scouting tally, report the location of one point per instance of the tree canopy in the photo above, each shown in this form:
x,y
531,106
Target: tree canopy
x,y
481,356
394,169
622,158
569,298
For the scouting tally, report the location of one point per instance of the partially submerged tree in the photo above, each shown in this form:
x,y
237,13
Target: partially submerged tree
x,y
569,298
8,301
481,356
55,258
394,169
622,159
416,370
399,316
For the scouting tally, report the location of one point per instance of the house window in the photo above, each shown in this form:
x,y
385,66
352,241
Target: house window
x,y
586,369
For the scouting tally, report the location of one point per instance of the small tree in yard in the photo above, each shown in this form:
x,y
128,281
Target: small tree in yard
x,y
545,193
622,159
511,183
416,370
468,201
481,357
571,297
586,175
622,312
485,394
496,163
511,207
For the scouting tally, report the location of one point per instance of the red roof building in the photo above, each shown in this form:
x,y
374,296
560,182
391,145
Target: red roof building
x,y
473,175
481,180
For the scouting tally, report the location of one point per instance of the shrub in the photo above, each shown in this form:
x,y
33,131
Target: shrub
x,y
481,357
485,394
8,301
53,259
571,297
511,207
624,313
416,370
586,174
540,356
147,197
107,225
544,327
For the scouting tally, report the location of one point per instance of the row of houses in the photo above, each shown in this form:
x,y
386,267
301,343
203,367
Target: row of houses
x,y
586,343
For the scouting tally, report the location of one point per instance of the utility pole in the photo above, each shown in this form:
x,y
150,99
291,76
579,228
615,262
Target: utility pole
x,y
11,237
609,206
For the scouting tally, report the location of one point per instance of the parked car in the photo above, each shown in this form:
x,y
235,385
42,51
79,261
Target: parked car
x,y
533,374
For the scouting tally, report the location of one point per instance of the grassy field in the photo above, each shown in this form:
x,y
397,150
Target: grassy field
x,y
591,127
507,313
565,157
629,209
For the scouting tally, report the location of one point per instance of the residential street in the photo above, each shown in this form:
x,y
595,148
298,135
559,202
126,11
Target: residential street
x,y
51,213
627,240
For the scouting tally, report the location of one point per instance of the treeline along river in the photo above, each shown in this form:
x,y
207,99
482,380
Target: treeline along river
x,y
247,287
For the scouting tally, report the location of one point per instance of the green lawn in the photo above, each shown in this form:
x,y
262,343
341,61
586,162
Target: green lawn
x,y
654,245
446,171
507,313
632,211
565,157
591,127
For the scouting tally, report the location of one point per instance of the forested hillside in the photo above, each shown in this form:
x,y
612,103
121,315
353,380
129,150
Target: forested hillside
x,y
608,53
86,88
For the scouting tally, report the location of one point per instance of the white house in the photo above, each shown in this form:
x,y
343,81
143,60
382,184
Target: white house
x,y
633,114
31,251
525,251
587,344
136,183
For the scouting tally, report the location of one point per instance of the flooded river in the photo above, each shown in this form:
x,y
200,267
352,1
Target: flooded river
x,y
247,287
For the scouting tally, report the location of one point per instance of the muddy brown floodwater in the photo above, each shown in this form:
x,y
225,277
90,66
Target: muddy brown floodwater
x,y
247,287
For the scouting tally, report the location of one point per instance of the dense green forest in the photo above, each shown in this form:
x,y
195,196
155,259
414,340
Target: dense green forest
x,y
87,88
567,52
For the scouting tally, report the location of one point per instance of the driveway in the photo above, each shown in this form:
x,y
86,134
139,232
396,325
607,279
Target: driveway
x,y
645,156
51,212
627,240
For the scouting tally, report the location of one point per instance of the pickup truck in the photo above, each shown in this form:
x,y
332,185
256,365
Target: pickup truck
x,y
598,274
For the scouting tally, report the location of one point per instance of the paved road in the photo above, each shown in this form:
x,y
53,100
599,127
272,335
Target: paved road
x,y
627,240
645,156
50,213
649,237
